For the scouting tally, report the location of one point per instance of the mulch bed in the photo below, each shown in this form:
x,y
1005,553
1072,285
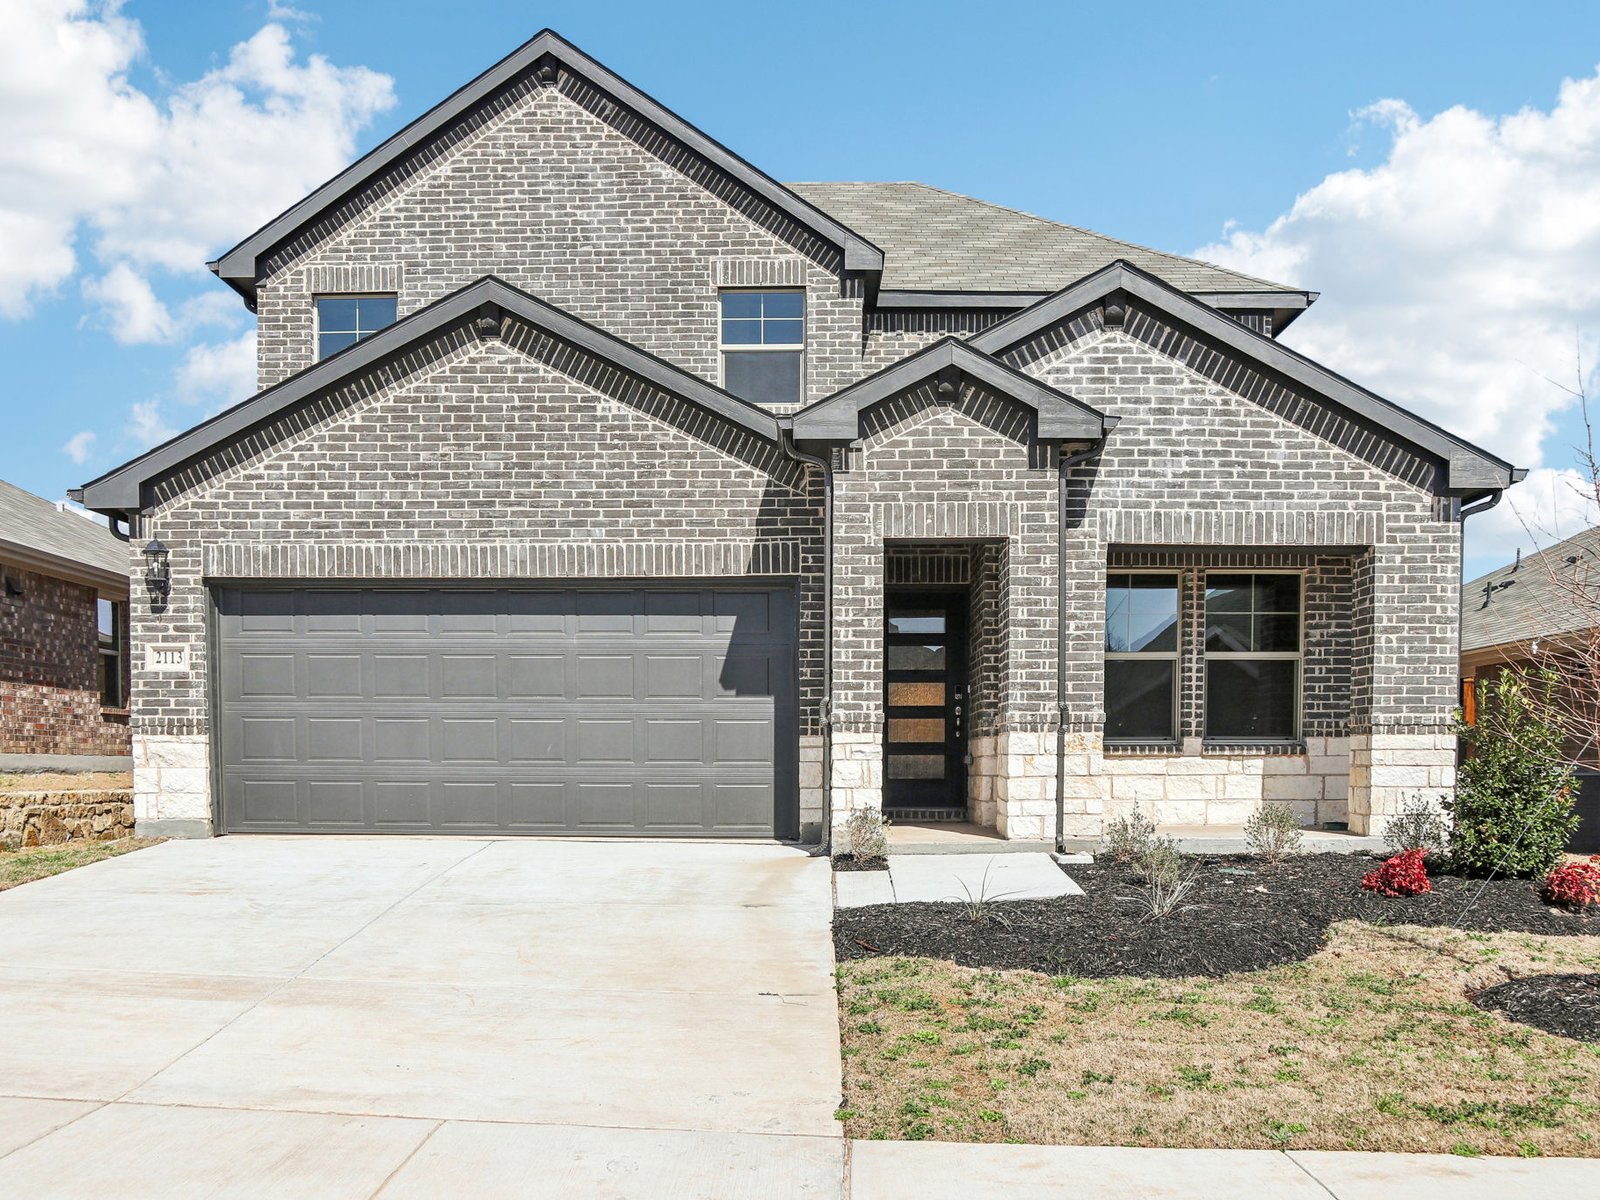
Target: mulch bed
x,y
1565,1005
1244,915
847,862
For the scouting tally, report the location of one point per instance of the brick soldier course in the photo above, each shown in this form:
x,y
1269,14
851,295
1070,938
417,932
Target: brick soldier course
x,y
991,403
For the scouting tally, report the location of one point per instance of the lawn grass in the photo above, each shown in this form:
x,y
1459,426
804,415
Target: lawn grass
x,y
24,866
1370,1044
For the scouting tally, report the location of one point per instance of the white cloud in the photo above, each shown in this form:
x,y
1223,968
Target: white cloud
x,y
129,307
155,180
219,373
1459,278
79,446
1551,505
147,426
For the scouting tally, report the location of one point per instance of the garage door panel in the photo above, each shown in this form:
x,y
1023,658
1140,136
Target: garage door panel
x,y
561,710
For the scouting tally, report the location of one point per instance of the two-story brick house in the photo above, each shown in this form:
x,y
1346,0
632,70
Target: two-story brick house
x,y
599,483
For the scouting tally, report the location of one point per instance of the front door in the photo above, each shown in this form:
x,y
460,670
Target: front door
x,y
925,687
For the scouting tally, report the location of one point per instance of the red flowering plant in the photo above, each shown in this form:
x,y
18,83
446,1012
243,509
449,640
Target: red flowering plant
x,y
1402,875
1574,884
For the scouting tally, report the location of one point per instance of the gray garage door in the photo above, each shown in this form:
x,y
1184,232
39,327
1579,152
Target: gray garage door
x,y
618,710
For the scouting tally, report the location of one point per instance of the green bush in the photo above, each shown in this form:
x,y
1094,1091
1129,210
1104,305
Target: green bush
x,y
868,840
1512,814
1273,832
1127,838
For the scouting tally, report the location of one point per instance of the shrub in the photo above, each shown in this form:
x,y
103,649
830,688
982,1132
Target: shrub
x,y
1574,884
1402,875
1127,837
1158,862
1512,813
1273,832
868,841
1420,825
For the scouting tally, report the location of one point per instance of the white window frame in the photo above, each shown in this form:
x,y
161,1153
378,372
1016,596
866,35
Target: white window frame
x,y
1175,655
1298,656
316,317
724,348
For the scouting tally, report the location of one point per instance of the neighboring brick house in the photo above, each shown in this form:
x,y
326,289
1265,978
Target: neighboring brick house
x,y
63,636
602,484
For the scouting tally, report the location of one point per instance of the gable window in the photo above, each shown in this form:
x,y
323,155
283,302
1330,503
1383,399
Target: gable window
x,y
1141,698
344,320
112,619
763,338
1252,655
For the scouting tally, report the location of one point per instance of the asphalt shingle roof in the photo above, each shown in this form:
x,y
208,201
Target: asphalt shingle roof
x,y
934,240
33,523
1536,598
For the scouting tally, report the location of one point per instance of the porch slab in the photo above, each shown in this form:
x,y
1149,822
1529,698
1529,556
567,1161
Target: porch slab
x,y
955,837
919,878
1229,839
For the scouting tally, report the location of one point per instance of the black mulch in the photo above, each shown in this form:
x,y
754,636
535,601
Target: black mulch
x,y
1568,1005
1243,916
847,862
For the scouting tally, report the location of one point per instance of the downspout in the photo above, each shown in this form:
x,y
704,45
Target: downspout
x,y
786,441
1066,464
1469,511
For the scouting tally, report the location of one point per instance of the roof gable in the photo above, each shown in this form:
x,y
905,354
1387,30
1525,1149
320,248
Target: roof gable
x,y
479,306
1060,416
1466,468
540,57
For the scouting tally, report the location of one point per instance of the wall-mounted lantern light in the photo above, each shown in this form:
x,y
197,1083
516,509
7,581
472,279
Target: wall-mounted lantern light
x,y
157,575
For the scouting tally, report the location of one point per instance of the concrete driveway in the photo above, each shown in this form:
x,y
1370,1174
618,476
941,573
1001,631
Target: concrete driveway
x,y
410,1017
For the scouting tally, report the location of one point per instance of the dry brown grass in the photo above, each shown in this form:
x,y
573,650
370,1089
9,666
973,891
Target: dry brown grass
x,y
1371,1044
47,781
24,866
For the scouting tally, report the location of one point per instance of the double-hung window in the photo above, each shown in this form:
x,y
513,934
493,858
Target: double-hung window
x,y
762,342
344,320
112,618
1252,651
1141,696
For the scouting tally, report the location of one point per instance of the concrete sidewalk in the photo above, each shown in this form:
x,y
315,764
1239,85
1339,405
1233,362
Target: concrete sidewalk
x,y
951,1171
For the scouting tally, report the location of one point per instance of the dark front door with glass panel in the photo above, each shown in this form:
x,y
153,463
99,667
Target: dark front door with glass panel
x,y
925,686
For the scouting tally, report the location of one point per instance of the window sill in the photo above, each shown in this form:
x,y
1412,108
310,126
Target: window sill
x,y
1286,746
1141,749
115,712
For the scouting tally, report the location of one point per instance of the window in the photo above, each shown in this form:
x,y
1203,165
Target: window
x,y
763,342
112,617
344,320
1252,653
1141,658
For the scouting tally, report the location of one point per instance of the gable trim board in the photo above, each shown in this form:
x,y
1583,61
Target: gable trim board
x,y
239,266
1468,470
1060,416
480,305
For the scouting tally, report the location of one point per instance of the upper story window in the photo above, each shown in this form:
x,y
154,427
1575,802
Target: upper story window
x,y
344,320
1252,654
112,618
1141,696
763,340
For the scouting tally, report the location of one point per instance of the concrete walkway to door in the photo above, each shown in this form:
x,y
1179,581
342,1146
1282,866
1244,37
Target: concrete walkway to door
x,y
409,1017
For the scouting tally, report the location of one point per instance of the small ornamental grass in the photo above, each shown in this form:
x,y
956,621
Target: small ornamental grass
x,y
1574,884
1403,875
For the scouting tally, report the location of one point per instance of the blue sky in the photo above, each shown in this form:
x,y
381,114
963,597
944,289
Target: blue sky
x,y
1180,126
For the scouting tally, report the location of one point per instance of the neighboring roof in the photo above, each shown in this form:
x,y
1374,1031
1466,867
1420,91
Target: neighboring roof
x,y
37,535
1536,597
1469,470
122,489
1059,415
238,266
934,240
